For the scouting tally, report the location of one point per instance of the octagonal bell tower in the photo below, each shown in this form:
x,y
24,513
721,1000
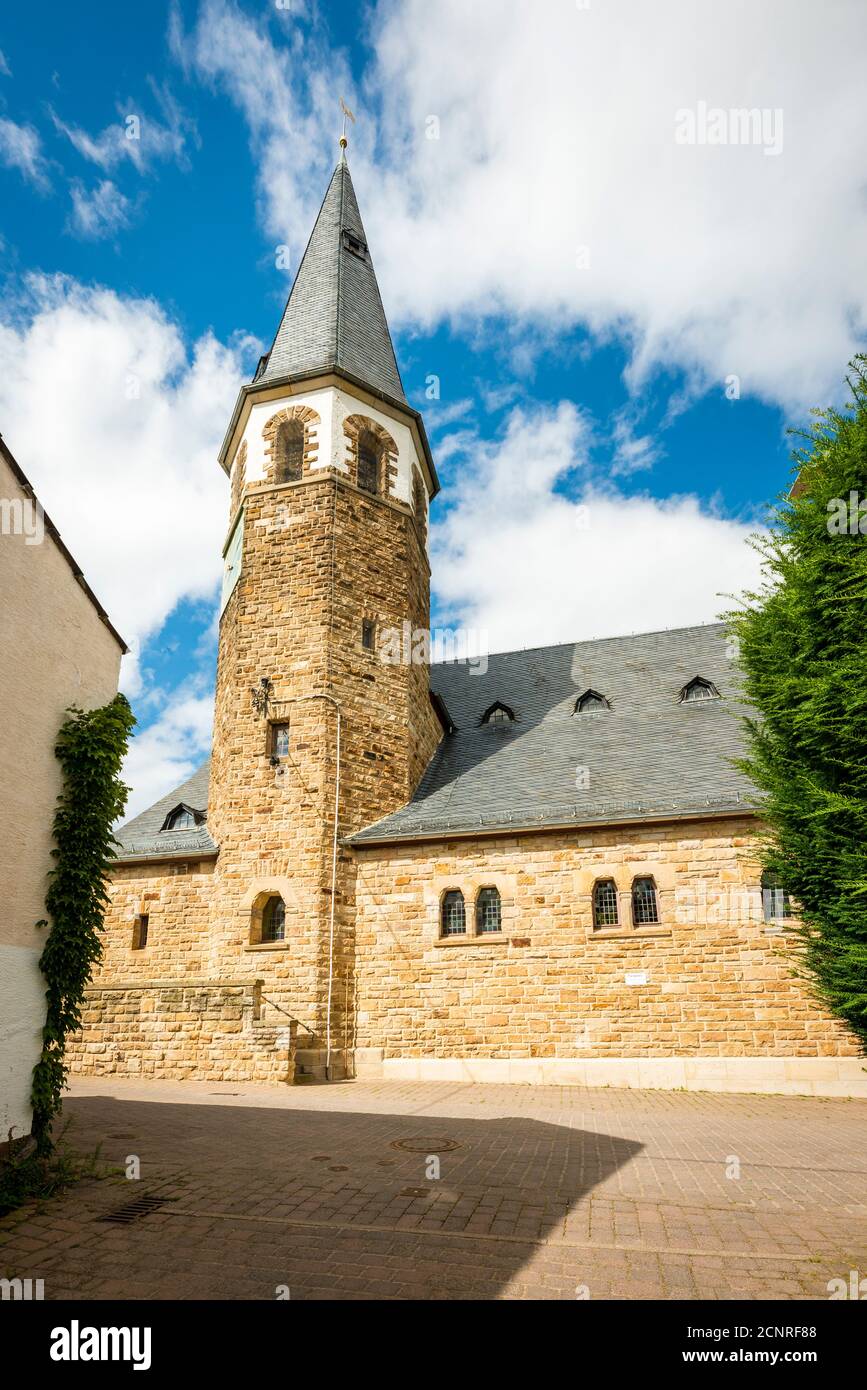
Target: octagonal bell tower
x,y
323,719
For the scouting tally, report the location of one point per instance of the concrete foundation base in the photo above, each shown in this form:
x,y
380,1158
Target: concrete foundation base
x,y
310,1065
790,1076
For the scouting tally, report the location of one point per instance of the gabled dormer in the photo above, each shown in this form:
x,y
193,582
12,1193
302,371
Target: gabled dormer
x,y
498,715
183,817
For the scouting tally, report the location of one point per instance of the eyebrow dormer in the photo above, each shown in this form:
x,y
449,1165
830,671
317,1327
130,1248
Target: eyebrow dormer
x,y
591,701
183,817
698,689
498,714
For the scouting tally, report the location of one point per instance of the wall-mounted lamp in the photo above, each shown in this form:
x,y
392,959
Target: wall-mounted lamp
x,y
261,694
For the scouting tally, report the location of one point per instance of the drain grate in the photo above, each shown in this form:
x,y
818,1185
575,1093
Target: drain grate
x,y
419,1144
134,1210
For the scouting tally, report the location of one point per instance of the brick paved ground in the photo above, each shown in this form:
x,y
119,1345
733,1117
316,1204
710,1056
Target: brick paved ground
x,y
541,1190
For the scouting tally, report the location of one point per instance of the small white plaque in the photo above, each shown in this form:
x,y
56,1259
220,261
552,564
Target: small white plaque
x,y
636,977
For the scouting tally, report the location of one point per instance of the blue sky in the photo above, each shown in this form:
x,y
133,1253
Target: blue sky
x,y
584,287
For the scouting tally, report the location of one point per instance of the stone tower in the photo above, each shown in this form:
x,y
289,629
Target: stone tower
x,y
315,734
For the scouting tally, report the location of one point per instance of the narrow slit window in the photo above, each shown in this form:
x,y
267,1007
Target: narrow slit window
x,y
368,463
775,900
368,635
290,452
140,933
279,740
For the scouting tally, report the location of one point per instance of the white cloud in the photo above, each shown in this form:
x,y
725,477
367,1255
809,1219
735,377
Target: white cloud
x,y
169,750
118,423
439,417
99,212
135,136
5,70
631,451
21,148
288,93
516,558
557,128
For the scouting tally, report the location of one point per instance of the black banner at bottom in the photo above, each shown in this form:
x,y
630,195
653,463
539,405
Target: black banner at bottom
x,y
232,1338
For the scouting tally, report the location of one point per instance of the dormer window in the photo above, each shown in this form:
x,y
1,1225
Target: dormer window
x,y
698,689
498,715
591,701
355,245
182,818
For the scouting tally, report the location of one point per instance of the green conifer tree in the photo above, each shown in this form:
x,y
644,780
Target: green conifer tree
x,y
803,652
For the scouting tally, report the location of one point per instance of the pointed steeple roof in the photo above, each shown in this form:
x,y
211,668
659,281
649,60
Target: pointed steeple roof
x,y
334,319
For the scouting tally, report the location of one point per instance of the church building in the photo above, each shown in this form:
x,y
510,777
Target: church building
x,y
537,868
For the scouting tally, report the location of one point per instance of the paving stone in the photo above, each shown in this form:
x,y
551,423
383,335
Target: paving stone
x,y
552,1189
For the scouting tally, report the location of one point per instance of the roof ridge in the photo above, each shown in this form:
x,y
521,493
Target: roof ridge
x,y
587,642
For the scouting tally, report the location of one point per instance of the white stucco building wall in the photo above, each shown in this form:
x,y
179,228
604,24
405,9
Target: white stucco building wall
x,y
56,649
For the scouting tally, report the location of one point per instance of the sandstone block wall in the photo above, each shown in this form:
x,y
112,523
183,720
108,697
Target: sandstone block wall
x,y
182,1030
713,979
319,556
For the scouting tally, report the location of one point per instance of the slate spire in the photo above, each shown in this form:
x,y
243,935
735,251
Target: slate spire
x,y
334,319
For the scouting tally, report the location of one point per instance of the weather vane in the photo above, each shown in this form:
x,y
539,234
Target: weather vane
x,y
346,112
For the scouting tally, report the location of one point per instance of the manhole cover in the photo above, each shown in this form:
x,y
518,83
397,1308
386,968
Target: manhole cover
x,y
338,1168
421,1145
321,1158
134,1210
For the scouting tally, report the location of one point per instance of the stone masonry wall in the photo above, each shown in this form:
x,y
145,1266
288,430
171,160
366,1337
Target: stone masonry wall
x,y
719,980
182,1030
156,1011
319,556
177,899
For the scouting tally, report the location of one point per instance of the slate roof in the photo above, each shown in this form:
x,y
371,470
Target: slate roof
x,y
334,319
648,757
144,838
